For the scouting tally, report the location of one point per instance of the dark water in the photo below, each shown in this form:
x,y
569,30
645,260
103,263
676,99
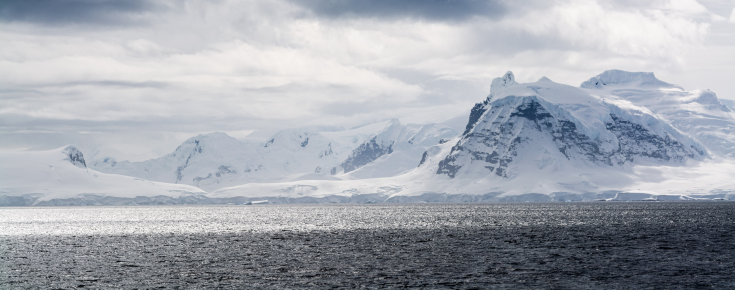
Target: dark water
x,y
544,245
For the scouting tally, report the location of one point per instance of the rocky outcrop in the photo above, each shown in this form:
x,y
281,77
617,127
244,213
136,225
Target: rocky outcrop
x,y
75,156
366,153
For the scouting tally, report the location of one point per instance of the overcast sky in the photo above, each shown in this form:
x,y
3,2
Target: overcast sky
x,y
134,78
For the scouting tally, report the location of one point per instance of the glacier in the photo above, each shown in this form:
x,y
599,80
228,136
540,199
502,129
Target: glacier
x,y
619,136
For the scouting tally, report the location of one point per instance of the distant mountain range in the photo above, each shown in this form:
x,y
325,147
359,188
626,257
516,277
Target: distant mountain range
x,y
619,136
61,177
216,160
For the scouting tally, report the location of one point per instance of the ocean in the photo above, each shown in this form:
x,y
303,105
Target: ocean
x,y
610,245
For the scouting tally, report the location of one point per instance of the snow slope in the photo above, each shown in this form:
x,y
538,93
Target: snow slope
x,y
698,113
40,177
700,181
394,150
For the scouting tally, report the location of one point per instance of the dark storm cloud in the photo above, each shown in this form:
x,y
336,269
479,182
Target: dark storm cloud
x,y
54,12
452,10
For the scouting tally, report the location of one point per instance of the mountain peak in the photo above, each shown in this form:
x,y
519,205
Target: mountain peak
x,y
209,141
214,137
622,78
507,80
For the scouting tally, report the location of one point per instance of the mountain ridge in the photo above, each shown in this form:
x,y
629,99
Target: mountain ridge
x,y
618,136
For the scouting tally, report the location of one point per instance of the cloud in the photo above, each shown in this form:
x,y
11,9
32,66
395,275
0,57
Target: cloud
x,y
236,66
587,25
53,12
441,10
107,83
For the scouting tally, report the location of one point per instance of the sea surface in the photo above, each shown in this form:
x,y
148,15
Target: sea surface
x,y
600,245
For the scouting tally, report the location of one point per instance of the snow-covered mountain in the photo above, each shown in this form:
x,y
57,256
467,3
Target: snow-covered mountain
x,y
697,113
619,136
61,177
217,160
392,151
520,129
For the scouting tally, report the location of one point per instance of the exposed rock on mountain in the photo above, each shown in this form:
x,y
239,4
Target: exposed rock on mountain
x,y
697,113
394,150
75,156
568,124
366,153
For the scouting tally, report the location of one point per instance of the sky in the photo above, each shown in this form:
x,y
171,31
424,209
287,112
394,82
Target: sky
x,y
132,79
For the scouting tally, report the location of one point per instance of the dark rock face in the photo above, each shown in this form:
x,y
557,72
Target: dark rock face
x,y
366,153
197,149
75,156
221,171
327,151
496,144
423,158
269,142
532,111
475,115
447,166
637,141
